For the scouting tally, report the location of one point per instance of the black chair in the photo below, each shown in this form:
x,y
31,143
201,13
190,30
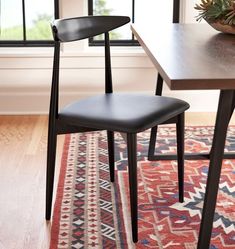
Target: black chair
x,y
125,113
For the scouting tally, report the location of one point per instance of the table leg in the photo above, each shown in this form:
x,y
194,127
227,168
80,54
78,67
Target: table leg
x,y
225,107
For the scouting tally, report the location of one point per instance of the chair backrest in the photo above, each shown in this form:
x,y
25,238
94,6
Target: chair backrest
x,y
72,29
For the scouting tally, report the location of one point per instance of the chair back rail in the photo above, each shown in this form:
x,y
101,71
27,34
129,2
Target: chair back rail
x,y
78,28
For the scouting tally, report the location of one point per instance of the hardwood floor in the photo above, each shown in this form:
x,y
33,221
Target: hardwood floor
x,y
22,179
22,182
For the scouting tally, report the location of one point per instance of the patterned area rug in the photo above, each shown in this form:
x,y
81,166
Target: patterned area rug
x,y
92,213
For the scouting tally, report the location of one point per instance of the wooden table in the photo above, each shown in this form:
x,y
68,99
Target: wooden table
x,y
196,57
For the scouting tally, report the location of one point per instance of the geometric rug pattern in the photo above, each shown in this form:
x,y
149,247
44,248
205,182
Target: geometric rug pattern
x,y
91,212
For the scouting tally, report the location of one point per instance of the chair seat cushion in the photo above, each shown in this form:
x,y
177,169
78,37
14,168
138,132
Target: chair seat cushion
x,y
122,112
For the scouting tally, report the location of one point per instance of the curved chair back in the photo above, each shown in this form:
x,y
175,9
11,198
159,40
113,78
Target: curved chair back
x,y
77,28
72,29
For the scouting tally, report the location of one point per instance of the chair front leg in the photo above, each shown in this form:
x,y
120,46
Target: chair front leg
x,y
51,156
132,166
110,135
180,154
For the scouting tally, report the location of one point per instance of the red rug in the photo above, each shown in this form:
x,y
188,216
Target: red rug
x,y
92,213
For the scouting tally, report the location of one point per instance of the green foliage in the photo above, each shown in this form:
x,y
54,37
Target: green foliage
x,y
39,31
217,10
13,33
100,8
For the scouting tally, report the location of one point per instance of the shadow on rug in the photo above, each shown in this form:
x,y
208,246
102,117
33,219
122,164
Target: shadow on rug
x,y
90,212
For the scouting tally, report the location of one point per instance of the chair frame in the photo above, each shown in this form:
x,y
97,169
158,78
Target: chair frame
x,y
57,126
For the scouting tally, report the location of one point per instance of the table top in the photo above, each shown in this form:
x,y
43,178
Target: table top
x,y
190,56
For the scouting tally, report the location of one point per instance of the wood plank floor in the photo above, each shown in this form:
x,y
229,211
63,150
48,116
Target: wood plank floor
x,y
22,179
22,182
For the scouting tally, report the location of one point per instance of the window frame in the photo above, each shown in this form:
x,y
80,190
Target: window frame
x,y
132,41
124,42
31,43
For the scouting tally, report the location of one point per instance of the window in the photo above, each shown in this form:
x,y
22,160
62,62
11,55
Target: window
x,y
27,22
148,12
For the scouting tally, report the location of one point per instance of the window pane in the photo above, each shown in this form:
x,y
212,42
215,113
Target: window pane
x,y
39,14
11,20
153,11
114,7
190,12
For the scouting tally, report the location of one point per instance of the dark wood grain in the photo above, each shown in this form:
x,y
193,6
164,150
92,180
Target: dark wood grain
x,y
190,56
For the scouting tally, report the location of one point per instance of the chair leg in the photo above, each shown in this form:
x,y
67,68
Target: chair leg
x,y
110,135
180,155
51,156
132,166
152,143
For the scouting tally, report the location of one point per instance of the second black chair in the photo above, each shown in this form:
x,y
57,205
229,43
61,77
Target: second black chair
x,y
127,113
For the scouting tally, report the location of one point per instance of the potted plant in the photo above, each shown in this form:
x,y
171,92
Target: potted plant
x,y
220,14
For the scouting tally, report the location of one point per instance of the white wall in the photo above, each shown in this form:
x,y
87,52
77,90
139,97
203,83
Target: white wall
x,y
26,72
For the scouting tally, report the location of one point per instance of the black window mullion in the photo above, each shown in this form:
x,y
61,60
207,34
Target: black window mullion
x,y
90,12
133,16
90,7
133,11
24,20
56,9
176,11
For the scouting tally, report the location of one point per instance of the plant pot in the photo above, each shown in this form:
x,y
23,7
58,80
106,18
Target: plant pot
x,y
224,28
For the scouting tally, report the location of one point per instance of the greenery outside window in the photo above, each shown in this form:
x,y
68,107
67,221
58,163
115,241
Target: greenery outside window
x,y
27,22
149,13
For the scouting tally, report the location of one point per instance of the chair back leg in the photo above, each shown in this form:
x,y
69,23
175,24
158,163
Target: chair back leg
x,y
152,143
110,135
180,154
153,135
132,167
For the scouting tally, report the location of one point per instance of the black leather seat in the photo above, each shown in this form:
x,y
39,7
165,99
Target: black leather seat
x,y
127,113
122,112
